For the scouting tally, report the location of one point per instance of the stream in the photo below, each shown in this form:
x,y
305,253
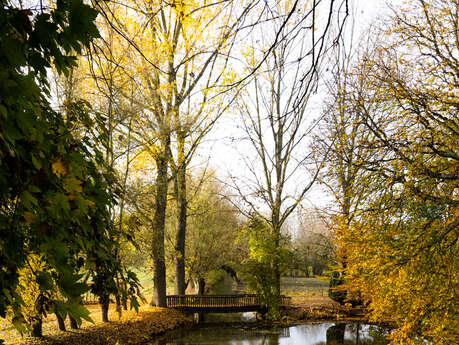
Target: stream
x,y
242,329
312,334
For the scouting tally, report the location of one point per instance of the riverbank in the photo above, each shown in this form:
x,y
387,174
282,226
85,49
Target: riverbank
x,y
322,312
152,322
130,328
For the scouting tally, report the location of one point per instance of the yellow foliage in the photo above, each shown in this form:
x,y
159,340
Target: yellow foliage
x,y
400,247
59,168
29,289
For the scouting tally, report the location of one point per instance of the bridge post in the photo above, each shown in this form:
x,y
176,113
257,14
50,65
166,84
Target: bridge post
x,y
199,317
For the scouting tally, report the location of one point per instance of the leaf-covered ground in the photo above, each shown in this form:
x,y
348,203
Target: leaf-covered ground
x,y
131,328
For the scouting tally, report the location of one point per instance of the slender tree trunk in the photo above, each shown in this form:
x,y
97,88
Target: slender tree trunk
x,y
277,272
181,231
159,219
201,286
73,323
104,305
357,335
124,299
37,327
118,308
60,322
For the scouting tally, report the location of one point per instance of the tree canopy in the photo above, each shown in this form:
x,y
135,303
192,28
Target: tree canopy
x,y
55,188
399,250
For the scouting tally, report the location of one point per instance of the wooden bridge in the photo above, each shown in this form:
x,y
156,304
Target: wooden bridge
x,y
219,303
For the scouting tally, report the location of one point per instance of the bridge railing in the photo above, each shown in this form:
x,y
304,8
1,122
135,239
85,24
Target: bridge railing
x,y
215,301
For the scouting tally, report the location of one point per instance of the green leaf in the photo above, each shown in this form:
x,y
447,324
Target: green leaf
x,y
134,303
28,200
45,281
78,312
3,111
14,49
36,163
73,185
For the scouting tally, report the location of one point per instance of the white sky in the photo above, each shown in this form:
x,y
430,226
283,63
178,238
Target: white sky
x,y
223,147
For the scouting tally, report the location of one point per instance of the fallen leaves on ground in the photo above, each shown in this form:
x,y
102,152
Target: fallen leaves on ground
x,y
307,309
131,328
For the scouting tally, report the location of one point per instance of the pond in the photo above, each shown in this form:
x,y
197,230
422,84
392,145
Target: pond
x,y
312,334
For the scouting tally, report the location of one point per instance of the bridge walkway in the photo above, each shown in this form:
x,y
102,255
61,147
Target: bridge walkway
x,y
219,303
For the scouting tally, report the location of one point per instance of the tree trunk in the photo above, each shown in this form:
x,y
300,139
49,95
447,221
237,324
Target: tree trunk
x,y
201,286
277,272
159,219
122,297
118,308
179,287
73,323
60,322
104,305
37,329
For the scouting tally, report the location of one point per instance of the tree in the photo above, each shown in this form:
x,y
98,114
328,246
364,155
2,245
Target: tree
x,y
274,117
312,245
55,188
402,250
98,78
268,256
346,146
179,54
213,229
111,91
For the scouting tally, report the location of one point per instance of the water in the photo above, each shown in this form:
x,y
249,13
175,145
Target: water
x,y
316,334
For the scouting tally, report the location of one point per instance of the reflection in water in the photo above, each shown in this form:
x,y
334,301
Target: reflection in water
x,y
335,334
319,334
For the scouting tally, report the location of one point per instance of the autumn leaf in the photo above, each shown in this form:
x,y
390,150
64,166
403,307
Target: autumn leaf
x,y
29,218
59,168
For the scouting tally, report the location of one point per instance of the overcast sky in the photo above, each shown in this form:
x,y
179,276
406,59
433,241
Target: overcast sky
x,y
223,148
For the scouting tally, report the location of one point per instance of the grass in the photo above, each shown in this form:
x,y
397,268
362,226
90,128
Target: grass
x,y
306,291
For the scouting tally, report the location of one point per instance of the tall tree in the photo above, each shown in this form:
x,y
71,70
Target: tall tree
x,y
180,46
111,91
402,250
100,81
345,144
55,188
274,115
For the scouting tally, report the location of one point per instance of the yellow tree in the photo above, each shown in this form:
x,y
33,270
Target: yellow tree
x,y
403,250
180,47
346,144
102,81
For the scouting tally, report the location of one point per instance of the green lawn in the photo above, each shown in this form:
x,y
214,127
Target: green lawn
x,y
304,287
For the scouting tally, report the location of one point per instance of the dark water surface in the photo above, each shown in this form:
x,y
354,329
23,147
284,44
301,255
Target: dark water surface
x,y
316,334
